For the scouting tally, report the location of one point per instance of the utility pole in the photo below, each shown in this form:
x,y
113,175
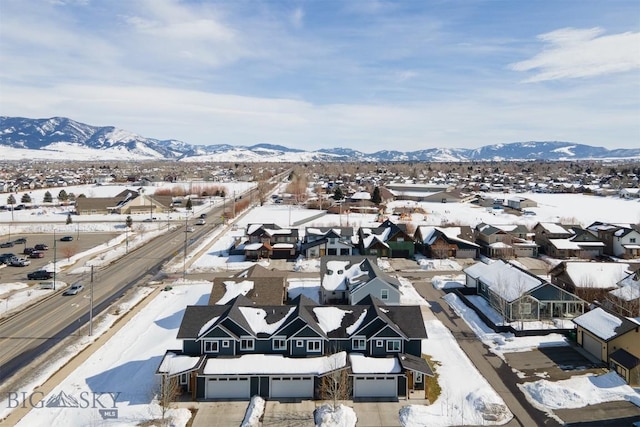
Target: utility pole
x,y
184,259
55,253
91,305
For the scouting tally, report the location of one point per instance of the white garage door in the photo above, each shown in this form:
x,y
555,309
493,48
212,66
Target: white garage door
x,y
227,388
292,387
591,345
375,387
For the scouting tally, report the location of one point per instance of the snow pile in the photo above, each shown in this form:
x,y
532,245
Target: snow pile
x,y
449,282
408,294
254,412
342,416
579,391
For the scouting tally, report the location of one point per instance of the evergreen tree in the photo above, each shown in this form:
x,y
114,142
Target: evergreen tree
x,y
69,219
189,205
11,200
48,198
337,194
129,221
63,196
376,197
26,198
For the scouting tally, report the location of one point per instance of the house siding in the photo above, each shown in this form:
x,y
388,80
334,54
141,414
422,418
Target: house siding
x,y
374,288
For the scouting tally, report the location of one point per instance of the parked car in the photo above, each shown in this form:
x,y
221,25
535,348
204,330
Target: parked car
x,y
66,239
6,245
40,275
74,289
41,247
20,240
27,251
20,262
7,258
36,254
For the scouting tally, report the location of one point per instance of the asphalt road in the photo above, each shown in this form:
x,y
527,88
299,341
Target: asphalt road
x,y
35,329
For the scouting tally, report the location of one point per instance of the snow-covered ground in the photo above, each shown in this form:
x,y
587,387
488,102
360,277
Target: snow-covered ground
x,y
127,362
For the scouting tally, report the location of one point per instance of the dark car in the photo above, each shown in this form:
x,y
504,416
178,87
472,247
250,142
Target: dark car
x,y
6,244
41,247
36,254
6,258
20,240
74,289
40,275
27,251
203,215
66,239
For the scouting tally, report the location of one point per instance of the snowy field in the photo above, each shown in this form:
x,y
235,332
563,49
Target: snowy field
x,y
127,362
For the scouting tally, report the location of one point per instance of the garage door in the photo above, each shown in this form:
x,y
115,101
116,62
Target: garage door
x,y
591,345
227,388
301,387
375,387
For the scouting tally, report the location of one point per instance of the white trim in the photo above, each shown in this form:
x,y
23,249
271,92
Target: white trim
x,y
359,338
247,340
314,350
392,350
379,343
214,346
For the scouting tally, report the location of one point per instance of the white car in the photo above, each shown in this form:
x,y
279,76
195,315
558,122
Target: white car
x,y
201,221
190,229
20,262
74,289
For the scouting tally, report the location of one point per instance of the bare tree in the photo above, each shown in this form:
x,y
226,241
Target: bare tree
x,y
334,386
168,391
69,250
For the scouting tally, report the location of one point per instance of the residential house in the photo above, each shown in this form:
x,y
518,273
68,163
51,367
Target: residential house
x,y
241,349
622,241
270,241
521,203
625,299
127,202
351,279
387,240
613,339
321,241
518,295
505,241
446,242
590,281
565,241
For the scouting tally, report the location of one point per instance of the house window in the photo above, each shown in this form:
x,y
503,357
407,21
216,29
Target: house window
x,y
314,346
279,344
384,294
225,344
373,251
379,343
393,345
632,239
246,344
525,308
184,379
299,343
359,343
400,239
211,347
418,377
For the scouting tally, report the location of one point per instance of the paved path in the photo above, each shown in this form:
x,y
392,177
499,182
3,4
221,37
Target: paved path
x,y
490,366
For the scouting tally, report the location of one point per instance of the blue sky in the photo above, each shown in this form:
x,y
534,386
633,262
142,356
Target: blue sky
x,y
364,74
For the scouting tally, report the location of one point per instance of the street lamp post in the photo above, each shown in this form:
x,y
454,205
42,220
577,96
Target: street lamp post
x,y
184,259
55,253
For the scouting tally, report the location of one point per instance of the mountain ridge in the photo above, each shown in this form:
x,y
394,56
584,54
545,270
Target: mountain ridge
x,y
47,138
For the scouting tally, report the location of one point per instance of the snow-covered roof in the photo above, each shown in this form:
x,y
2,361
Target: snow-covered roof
x,y
504,279
274,364
599,275
351,329
554,228
361,364
256,317
233,289
564,244
173,363
329,318
627,293
600,323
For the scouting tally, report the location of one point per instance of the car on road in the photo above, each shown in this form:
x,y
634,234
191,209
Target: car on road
x,y
66,239
201,221
20,262
203,215
20,240
40,275
6,244
190,229
36,254
74,289
41,247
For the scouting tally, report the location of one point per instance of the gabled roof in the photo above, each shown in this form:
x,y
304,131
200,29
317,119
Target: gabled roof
x,y
415,363
260,290
451,235
505,279
604,324
349,272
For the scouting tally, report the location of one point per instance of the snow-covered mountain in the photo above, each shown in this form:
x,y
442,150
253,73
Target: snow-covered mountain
x,y
65,139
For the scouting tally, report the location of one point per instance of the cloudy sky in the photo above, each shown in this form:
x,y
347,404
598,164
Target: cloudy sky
x,y
363,74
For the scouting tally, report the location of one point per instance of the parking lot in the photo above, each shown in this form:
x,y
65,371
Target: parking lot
x,y
82,241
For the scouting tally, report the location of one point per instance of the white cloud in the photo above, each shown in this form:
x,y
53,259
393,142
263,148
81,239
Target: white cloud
x,y
574,53
297,18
